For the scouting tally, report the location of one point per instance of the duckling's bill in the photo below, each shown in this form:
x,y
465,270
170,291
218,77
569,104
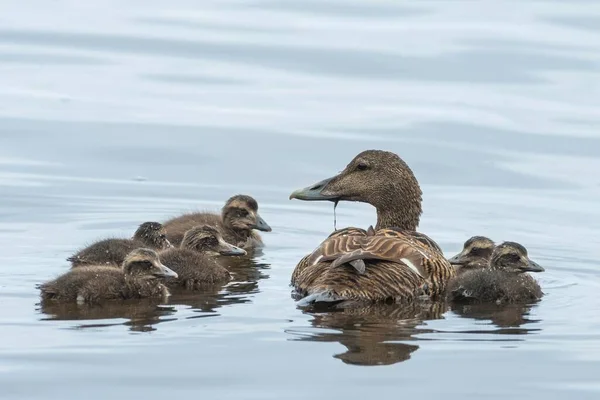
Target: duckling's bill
x,y
261,224
167,272
226,249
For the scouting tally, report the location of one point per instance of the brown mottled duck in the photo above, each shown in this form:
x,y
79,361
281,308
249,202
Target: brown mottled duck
x,y
137,278
113,251
505,280
194,260
390,263
237,223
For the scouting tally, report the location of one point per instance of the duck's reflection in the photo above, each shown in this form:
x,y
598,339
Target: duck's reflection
x,y
508,318
143,315
372,335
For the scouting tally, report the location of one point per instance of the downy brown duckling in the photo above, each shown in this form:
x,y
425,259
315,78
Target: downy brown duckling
x,y
505,280
193,260
137,278
113,251
391,263
475,254
237,223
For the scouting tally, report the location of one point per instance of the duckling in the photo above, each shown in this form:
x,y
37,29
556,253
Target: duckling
x,y
193,260
113,251
393,262
238,218
475,254
93,284
504,281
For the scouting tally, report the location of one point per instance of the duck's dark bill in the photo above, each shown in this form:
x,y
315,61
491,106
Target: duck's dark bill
x,y
313,192
227,249
457,259
261,224
167,272
532,266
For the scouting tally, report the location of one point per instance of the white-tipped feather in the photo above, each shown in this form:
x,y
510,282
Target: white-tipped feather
x,y
412,266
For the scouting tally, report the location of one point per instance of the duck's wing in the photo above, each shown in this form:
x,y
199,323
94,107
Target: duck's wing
x,y
387,253
354,250
411,235
323,248
353,246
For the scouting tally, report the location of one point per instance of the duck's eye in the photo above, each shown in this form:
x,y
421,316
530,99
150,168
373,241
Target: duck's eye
x,y
242,213
362,166
211,241
477,251
163,236
513,258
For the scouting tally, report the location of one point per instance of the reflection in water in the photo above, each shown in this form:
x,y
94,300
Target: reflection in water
x,y
377,334
508,317
143,315
372,334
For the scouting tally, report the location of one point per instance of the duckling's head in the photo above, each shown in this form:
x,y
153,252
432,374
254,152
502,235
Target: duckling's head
x,y
241,213
146,263
206,239
152,234
377,177
512,257
476,252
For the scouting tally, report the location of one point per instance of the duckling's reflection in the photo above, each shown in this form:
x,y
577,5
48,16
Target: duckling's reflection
x,y
372,334
143,315
246,274
509,318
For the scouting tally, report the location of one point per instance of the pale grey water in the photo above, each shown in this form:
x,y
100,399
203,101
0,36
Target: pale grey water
x,y
113,113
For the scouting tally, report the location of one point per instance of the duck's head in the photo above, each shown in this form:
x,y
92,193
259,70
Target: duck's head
x,y
207,239
476,252
146,263
153,235
512,257
376,177
241,213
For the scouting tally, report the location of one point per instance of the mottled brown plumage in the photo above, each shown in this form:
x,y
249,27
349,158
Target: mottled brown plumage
x,y
112,252
505,280
194,262
476,254
137,278
392,262
237,222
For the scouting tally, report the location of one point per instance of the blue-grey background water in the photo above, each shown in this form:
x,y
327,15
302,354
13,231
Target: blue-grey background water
x,y
113,113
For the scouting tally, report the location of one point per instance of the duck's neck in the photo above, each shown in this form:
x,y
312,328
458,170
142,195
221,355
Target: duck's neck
x,y
237,237
398,211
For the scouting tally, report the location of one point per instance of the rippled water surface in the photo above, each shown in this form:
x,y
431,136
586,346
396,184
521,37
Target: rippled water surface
x,y
113,113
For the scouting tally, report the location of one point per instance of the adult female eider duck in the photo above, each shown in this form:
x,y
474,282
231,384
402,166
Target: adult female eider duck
x,y
113,251
193,260
505,280
97,283
390,263
476,253
237,222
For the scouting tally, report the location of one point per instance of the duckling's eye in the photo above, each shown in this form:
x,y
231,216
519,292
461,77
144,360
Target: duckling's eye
x,y
211,241
242,213
477,251
163,236
362,166
513,258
